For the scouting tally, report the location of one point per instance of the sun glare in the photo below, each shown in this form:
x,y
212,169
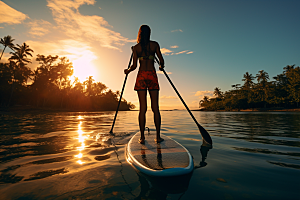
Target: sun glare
x,y
82,63
83,68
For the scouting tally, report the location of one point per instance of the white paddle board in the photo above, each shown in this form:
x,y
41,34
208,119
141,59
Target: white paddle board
x,y
168,158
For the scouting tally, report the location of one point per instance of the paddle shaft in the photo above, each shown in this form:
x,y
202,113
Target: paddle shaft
x,y
113,124
203,132
180,97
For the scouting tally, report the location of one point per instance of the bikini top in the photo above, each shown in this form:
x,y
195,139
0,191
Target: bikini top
x,y
150,57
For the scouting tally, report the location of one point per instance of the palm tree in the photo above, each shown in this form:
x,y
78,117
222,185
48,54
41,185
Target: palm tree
x,y
19,60
288,68
262,79
89,86
236,86
20,54
64,70
204,100
248,84
248,80
293,76
218,93
7,42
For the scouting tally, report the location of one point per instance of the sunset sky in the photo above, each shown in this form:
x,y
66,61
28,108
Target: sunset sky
x,y
206,44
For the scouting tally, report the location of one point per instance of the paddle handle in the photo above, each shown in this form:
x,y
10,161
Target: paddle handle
x,y
113,124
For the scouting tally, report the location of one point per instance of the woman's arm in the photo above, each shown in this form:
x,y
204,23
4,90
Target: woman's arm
x,y
134,64
159,55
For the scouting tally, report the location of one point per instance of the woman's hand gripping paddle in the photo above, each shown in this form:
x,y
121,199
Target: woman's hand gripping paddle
x,y
204,133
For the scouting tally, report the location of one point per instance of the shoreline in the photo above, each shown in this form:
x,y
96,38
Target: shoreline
x,y
32,109
254,110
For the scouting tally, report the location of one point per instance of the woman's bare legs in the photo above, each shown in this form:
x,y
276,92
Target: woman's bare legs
x,y
154,94
142,94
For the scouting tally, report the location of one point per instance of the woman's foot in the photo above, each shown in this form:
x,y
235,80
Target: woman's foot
x,y
142,140
158,140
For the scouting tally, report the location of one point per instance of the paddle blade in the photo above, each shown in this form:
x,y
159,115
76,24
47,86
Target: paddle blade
x,y
204,134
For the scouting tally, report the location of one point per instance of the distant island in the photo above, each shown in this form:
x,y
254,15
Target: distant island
x,y
50,87
282,94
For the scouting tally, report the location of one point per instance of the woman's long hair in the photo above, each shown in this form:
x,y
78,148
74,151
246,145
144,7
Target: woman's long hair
x,y
144,37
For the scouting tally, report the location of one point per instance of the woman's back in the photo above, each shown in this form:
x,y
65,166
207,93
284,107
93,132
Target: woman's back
x,y
146,55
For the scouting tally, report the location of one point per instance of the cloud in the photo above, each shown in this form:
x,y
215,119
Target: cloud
x,y
181,52
72,49
174,47
168,97
9,15
201,94
169,52
177,30
39,27
95,28
165,51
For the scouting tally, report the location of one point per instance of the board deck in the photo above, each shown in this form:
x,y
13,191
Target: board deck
x,y
168,158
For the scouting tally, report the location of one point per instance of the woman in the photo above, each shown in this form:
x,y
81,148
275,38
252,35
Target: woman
x,y
145,51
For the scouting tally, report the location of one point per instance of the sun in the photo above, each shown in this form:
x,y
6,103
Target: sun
x,y
83,68
82,65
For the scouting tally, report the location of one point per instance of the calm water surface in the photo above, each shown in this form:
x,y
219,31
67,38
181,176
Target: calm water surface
x,y
71,156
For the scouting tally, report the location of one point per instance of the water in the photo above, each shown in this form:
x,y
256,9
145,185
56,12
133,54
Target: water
x,y
70,156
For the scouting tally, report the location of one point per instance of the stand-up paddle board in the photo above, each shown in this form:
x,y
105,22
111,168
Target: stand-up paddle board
x,y
168,158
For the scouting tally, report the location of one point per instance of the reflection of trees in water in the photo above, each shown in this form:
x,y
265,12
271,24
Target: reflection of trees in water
x,y
274,152
266,128
267,151
263,124
281,130
285,165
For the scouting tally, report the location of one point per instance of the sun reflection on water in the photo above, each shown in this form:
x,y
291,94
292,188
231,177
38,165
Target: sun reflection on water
x,y
80,162
79,155
81,140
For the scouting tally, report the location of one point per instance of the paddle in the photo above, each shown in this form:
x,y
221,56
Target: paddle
x,y
113,124
204,133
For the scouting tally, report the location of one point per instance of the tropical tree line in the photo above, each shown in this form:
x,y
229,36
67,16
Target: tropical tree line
x,y
283,91
49,85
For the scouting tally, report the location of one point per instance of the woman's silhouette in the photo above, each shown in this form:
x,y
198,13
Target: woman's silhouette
x,y
145,51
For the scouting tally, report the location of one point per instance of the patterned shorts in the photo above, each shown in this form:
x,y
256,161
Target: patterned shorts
x,y
146,80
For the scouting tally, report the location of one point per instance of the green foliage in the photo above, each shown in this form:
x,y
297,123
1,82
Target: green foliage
x,y
50,85
283,92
